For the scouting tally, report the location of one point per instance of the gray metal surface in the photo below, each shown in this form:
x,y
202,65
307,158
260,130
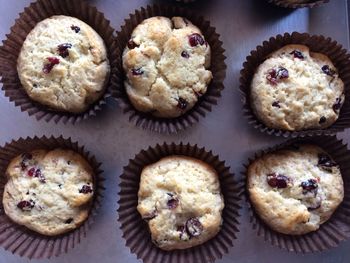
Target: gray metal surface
x,y
243,25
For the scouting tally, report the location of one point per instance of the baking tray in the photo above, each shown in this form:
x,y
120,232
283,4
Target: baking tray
x,y
243,25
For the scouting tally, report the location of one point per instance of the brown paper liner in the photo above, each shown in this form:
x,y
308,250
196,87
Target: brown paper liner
x,y
282,3
204,104
134,228
332,232
11,48
339,57
24,242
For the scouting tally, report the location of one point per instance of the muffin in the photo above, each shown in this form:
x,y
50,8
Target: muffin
x,y
63,64
181,200
166,64
49,192
295,89
295,190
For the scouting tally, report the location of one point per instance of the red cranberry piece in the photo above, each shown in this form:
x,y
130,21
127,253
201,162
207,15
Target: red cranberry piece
x,y
132,44
137,71
328,71
322,120
31,172
309,186
276,180
173,201
185,54
75,28
196,39
85,189
275,75
182,103
26,205
68,221
63,49
297,54
52,62
194,227
337,105
276,104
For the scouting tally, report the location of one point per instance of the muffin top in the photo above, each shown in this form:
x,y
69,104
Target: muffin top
x,y
180,197
49,192
166,62
295,89
295,190
63,64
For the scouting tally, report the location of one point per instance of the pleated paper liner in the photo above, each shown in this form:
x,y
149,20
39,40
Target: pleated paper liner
x,y
205,103
24,242
135,229
11,47
332,232
340,58
310,4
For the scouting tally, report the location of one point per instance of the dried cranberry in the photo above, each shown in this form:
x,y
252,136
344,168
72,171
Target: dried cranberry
x,y
173,201
276,104
132,44
85,189
337,105
325,162
276,180
309,186
75,28
40,176
196,39
52,62
63,49
194,227
322,120
275,75
182,103
297,54
328,71
26,205
185,54
137,71
31,172
68,221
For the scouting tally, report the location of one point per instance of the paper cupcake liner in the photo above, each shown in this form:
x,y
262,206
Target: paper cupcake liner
x,y
340,58
332,232
204,104
24,242
282,3
134,228
11,48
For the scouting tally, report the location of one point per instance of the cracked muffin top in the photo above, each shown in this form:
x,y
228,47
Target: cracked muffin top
x,y
49,192
295,89
296,189
63,64
166,62
180,198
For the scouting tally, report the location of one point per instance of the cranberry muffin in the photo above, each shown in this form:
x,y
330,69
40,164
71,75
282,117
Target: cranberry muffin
x,y
295,190
180,198
166,62
63,64
49,192
295,89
